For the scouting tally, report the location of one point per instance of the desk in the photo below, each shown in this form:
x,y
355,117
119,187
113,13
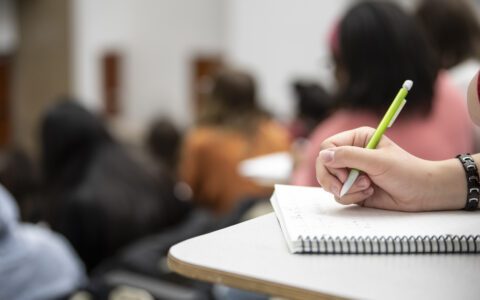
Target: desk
x,y
267,170
253,256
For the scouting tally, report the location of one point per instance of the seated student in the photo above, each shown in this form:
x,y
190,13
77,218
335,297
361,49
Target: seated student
x,y
231,128
456,41
163,142
393,178
313,106
95,193
35,263
376,47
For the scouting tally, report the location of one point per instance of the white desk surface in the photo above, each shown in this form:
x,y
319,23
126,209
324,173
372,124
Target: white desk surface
x,y
253,255
268,169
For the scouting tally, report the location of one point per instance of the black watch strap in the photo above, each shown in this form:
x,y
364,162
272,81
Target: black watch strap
x,y
473,181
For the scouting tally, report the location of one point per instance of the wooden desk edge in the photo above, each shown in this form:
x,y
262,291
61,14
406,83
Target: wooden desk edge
x,y
242,282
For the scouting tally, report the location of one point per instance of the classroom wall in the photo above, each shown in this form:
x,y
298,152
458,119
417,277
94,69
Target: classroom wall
x,y
280,41
277,40
157,39
97,27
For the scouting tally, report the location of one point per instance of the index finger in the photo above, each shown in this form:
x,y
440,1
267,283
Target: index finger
x,y
358,137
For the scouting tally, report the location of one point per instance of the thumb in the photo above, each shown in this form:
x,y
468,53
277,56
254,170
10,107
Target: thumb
x,y
366,160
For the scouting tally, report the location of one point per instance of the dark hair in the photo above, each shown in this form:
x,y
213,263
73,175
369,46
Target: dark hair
x,y
380,46
452,27
232,102
70,136
19,176
313,101
96,194
163,142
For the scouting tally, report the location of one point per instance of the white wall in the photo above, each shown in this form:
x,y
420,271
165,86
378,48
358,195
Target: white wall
x,y
167,36
280,41
157,38
277,40
98,26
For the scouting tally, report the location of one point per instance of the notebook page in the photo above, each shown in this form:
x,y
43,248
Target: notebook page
x,y
309,211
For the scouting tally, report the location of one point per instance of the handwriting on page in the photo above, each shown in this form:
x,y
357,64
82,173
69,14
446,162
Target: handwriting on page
x,y
315,221
309,214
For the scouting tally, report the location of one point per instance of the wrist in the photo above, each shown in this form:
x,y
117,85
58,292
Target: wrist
x,y
447,184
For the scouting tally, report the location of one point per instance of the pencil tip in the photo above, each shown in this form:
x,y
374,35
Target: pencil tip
x,y
343,191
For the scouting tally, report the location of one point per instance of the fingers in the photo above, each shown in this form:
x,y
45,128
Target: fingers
x,y
332,179
341,174
362,183
366,160
328,181
357,137
356,197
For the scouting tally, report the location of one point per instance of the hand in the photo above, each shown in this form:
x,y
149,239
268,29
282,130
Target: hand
x,y
391,178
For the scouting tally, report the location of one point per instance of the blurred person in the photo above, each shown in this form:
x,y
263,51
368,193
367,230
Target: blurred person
x,y
453,28
35,263
18,174
376,47
163,142
95,193
231,128
313,105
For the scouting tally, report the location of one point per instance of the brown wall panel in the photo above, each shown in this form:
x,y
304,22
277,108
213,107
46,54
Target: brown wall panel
x,y
41,64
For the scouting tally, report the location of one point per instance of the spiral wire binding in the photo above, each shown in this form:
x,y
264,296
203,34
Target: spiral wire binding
x,y
391,245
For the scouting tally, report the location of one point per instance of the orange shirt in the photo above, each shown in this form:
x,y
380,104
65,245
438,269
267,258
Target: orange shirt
x,y
210,158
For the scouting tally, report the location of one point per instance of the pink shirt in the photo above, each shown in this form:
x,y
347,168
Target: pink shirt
x,y
444,133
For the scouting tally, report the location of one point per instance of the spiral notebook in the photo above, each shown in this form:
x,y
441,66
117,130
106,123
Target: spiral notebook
x,y
313,222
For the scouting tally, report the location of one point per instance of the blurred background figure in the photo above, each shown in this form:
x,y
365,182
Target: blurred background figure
x,y
313,105
163,143
35,262
19,175
456,41
453,28
231,128
376,47
95,194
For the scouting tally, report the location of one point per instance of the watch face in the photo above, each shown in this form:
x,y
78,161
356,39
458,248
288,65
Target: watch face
x,y
473,97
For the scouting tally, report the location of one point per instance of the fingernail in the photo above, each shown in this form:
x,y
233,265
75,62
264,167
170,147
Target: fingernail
x,y
327,155
336,190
